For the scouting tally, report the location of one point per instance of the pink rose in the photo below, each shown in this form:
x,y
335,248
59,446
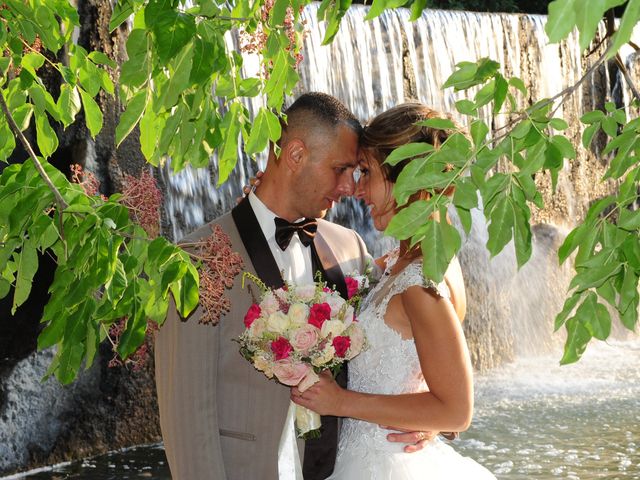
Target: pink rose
x,y
341,344
252,314
281,348
352,286
304,338
290,373
319,313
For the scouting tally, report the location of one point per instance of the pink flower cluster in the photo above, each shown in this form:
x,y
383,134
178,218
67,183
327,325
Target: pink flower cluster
x,y
220,266
138,359
143,198
297,331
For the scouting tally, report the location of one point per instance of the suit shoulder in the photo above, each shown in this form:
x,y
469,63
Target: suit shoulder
x,y
335,229
225,221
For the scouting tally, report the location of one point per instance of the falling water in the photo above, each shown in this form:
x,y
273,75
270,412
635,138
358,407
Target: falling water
x,y
372,66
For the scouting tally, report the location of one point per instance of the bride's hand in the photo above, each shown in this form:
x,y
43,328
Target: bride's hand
x,y
324,397
254,182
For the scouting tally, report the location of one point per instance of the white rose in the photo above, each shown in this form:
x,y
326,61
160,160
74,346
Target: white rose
x,y
333,328
263,365
306,292
298,314
356,334
257,328
348,316
335,302
278,322
269,304
324,357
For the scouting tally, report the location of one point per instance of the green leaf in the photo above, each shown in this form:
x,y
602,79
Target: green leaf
x,y
27,264
135,71
519,84
565,147
485,94
179,80
500,94
466,107
625,28
628,291
593,117
185,291
463,77
172,29
435,254
68,104
417,7
228,152
410,150
465,195
589,132
204,58
479,131
22,116
610,126
594,277
567,309
406,222
558,124
500,228
92,113
150,126
577,339
261,131
438,123
131,116
101,59
629,219
561,20
122,10
46,137
32,62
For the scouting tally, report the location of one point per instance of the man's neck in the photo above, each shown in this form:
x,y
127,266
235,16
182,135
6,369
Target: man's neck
x,y
272,199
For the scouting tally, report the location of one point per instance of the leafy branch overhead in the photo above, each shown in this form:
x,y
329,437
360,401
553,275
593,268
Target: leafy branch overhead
x,y
182,90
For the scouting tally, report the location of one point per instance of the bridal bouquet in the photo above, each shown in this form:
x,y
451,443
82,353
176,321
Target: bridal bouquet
x,y
297,331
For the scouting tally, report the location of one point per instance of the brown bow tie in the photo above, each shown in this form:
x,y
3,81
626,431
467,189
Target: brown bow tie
x,y
306,229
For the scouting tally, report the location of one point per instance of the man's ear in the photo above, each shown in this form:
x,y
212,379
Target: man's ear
x,y
294,153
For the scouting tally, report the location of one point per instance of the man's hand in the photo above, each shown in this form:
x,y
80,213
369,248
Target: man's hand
x,y
415,440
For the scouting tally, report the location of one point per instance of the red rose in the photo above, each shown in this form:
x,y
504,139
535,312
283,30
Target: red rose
x,y
341,345
252,314
281,348
319,313
352,286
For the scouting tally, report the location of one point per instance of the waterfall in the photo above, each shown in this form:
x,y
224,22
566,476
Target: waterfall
x,y
374,65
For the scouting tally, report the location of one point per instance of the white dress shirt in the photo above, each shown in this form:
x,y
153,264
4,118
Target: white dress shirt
x,y
295,262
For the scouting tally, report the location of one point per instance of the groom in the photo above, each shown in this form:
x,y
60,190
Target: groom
x,y
220,418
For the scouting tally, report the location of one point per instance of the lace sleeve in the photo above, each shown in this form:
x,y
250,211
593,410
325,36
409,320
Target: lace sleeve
x,y
410,276
413,275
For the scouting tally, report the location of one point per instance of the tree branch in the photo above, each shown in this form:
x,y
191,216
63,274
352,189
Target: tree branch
x,y
62,204
627,77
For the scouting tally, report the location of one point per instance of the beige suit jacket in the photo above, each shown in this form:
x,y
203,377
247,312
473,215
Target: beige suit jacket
x,y
220,418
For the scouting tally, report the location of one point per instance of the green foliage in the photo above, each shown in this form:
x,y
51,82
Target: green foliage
x,y
182,89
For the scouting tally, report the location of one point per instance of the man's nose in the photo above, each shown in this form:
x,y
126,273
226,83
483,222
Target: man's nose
x,y
347,186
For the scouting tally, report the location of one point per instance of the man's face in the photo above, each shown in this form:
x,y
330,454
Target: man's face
x,y
328,173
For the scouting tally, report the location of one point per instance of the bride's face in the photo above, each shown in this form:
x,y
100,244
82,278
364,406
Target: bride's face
x,y
376,191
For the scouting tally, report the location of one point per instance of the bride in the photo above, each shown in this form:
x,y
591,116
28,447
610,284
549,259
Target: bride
x,y
416,374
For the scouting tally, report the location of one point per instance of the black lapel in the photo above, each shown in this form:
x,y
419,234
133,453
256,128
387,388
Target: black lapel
x,y
256,244
327,264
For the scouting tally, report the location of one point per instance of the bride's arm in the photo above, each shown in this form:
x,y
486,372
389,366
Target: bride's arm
x,y
446,366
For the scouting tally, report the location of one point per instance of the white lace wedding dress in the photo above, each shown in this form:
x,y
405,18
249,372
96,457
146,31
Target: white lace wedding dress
x,y
390,366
